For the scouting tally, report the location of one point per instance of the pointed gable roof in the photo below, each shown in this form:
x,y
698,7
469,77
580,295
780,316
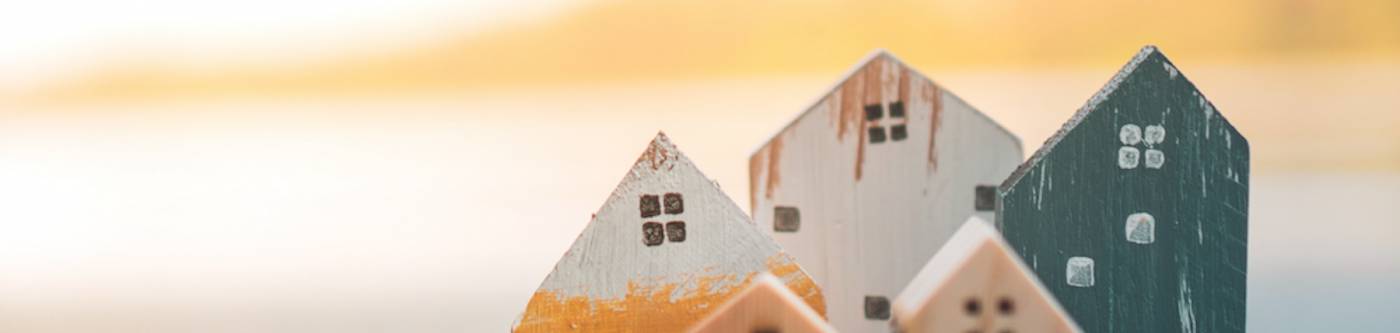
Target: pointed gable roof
x,y
977,252
664,250
1108,90
1147,179
767,305
878,57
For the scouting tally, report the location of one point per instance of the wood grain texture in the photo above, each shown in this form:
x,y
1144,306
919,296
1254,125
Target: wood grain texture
x,y
977,283
766,305
1135,213
622,275
881,171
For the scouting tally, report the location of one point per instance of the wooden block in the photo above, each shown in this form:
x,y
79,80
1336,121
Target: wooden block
x,y
1135,214
666,249
767,305
976,283
865,185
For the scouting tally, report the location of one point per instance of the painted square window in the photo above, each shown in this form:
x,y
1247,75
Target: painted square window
x,y
651,205
1141,228
874,112
897,109
786,219
877,134
877,307
985,199
1079,272
898,132
674,203
652,235
675,231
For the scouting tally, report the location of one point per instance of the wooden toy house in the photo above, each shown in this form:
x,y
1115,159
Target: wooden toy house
x,y
1135,214
767,305
976,283
665,250
865,185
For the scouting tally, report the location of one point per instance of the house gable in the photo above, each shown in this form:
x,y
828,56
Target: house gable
x,y
767,305
1134,215
865,185
665,249
976,283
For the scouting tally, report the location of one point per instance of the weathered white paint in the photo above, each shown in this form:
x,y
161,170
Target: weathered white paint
x,y
873,213
1079,271
609,268
1184,309
977,266
766,305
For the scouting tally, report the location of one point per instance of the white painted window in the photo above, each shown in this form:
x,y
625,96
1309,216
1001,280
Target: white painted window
x,y
1079,272
1140,228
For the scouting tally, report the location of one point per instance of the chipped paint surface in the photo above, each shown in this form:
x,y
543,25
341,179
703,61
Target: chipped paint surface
x,y
873,211
609,280
1178,261
935,99
650,307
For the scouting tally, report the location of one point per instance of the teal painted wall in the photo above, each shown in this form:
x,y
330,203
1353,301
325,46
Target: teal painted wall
x,y
1076,196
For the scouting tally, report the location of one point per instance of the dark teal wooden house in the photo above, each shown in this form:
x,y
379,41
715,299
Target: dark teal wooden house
x,y
1135,214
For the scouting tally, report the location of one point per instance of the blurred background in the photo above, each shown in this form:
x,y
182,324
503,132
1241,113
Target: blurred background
x,y
419,165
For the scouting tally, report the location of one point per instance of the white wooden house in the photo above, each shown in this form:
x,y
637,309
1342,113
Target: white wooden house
x,y
665,250
866,184
977,283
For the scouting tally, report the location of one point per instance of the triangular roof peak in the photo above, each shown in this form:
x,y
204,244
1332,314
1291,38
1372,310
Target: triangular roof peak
x,y
977,269
766,305
1128,70
878,56
665,249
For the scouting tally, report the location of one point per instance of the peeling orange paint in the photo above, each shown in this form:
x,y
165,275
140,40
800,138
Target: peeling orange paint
x,y
775,150
850,105
787,270
656,154
872,94
651,308
755,165
932,93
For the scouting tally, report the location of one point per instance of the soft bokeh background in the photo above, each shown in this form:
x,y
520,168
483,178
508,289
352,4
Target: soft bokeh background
x,y
419,165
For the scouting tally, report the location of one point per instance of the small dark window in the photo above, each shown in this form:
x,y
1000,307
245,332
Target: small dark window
x,y
675,231
674,204
877,134
786,219
973,307
986,198
651,206
874,112
652,235
897,109
1006,306
877,307
898,132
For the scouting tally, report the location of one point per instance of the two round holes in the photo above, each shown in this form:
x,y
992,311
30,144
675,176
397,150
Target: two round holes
x,y
973,306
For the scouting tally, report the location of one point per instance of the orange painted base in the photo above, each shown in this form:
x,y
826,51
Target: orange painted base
x,y
651,309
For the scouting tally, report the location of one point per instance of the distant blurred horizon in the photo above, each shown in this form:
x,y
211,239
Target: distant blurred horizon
x,y
336,48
